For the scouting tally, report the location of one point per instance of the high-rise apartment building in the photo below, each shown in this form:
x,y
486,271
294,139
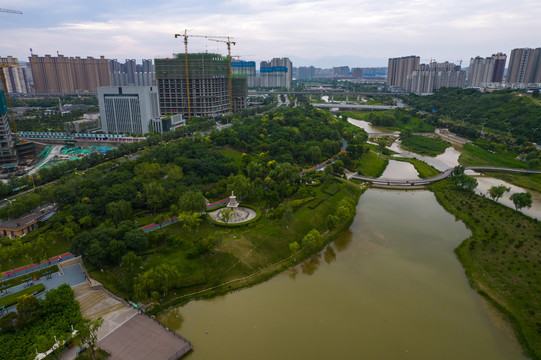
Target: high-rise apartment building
x,y
357,73
524,66
245,69
431,77
131,73
306,72
486,70
341,71
499,67
60,74
199,88
275,73
128,109
17,80
399,69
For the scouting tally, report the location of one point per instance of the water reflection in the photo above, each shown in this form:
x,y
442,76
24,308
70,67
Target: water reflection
x,y
400,170
367,126
310,266
292,273
343,240
329,254
442,162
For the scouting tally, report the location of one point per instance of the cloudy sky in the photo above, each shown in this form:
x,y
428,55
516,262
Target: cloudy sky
x,y
311,32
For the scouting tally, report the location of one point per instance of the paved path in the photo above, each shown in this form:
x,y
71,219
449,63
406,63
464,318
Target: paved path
x,y
142,338
72,275
441,176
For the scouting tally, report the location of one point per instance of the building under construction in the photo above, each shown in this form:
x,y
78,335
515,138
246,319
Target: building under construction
x,y
200,87
8,155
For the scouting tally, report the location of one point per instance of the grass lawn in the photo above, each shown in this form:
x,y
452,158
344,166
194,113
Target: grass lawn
x,y
414,124
243,255
371,164
234,155
424,170
475,155
501,259
425,145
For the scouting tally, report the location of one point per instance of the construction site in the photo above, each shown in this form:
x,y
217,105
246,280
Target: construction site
x,y
200,84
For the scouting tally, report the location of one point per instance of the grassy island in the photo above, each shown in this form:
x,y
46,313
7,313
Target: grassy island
x,y
425,145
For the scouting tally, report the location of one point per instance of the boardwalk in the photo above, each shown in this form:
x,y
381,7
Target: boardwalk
x,y
441,176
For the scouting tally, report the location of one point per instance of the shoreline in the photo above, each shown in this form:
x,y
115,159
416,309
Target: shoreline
x,y
261,275
500,301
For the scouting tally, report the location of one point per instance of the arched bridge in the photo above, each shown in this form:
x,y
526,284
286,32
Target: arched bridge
x,y
441,176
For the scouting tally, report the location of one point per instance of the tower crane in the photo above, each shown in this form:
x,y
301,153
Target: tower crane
x,y
228,42
11,11
186,36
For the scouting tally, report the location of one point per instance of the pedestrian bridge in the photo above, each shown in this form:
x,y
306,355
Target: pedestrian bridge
x,y
441,176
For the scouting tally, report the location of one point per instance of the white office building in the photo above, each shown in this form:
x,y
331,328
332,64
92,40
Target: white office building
x,y
128,109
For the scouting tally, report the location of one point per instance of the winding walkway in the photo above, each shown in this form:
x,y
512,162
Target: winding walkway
x,y
441,176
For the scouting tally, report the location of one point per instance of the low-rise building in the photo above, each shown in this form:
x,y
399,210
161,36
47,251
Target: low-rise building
x,y
27,223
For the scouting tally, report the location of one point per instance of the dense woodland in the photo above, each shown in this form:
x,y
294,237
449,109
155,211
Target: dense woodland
x,y
37,322
501,111
260,158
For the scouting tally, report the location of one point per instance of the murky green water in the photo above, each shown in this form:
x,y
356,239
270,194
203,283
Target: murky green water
x,y
389,288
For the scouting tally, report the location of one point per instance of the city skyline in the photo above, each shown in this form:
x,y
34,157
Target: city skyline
x,y
323,34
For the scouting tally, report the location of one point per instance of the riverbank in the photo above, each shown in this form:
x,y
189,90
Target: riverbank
x,y
246,255
501,259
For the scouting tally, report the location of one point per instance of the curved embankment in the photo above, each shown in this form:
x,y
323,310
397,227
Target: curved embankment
x,y
441,176
501,259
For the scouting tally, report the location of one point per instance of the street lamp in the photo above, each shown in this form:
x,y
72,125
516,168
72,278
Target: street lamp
x,y
10,202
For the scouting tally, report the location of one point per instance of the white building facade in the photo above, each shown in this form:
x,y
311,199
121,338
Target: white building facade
x,y
128,109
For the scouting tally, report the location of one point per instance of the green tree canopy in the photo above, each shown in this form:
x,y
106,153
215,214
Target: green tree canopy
x,y
521,200
496,192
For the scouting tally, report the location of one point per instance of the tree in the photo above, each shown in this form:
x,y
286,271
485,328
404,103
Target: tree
x,y
136,240
87,335
312,240
155,195
130,267
241,185
294,247
381,145
226,214
406,133
192,201
190,221
161,278
521,200
115,251
28,310
465,182
496,192
458,170
314,153
119,210
332,221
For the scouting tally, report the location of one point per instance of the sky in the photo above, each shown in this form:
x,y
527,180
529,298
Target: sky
x,y
357,33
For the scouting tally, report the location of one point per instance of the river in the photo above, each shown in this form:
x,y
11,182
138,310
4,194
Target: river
x,y
389,288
